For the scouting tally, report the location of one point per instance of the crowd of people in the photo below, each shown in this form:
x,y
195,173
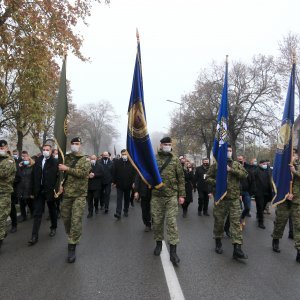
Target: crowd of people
x,y
33,181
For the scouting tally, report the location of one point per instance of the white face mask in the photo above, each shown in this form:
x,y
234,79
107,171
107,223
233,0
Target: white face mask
x,y
15,156
56,156
264,167
167,148
124,157
75,148
229,154
2,152
255,163
46,154
93,162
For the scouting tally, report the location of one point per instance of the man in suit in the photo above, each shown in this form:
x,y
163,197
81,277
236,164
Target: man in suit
x,y
107,170
94,185
44,183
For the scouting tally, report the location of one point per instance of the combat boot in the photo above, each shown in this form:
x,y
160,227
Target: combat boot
x,y
158,248
275,245
238,252
218,248
173,255
71,253
298,256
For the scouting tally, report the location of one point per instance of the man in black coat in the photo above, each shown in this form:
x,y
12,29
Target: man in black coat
x,y
142,191
94,185
44,184
106,180
123,178
263,190
202,187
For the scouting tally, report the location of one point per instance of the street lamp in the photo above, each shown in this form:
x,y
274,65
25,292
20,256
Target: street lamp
x,y
180,127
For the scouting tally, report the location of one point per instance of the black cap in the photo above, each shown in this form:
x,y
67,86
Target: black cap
x,y
3,143
165,140
76,140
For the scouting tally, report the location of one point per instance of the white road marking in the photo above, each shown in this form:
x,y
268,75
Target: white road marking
x,y
170,274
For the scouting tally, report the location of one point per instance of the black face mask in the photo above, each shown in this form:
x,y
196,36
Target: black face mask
x,y
205,165
105,158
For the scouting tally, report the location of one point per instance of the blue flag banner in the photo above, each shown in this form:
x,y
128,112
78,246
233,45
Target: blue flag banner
x,y
139,147
282,176
221,143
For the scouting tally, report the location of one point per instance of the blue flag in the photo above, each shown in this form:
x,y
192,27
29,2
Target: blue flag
x,y
221,143
282,176
139,148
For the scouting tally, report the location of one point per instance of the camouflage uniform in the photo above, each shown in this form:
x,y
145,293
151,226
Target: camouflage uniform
x,y
230,204
164,202
289,209
7,176
74,196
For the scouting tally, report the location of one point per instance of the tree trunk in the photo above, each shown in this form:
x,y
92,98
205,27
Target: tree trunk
x,y
20,141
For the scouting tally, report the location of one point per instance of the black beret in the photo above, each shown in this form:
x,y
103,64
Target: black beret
x,y
165,140
3,143
76,140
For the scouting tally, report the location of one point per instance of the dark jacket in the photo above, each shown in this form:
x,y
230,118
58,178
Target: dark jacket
x,y
107,170
50,178
262,182
248,184
24,177
123,174
95,182
141,187
189,182
199,179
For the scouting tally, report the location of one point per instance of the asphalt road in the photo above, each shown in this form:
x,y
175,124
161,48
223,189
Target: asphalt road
x,y
115,261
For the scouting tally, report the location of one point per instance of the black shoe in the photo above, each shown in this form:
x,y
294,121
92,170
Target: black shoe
x,y
33,241
199,213
238,252
227,232
298,256
90,215
106,211
291,235
173,255
206,214
275,245
158,248
52,232
13,229
96,211
261,225
71,253
218,248
117,216
125,214
147,228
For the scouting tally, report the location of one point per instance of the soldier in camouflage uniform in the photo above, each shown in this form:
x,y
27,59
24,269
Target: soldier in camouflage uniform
x,y
7,176
164,203
229,205
289,208
77,167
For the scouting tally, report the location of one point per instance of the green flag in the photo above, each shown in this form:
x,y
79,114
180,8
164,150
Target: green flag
x,y
60,126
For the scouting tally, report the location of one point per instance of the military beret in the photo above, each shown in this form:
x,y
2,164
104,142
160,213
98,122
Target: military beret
x,y
76,140
166,140
3,143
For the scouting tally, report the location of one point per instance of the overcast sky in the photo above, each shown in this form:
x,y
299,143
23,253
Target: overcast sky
x,y
178,38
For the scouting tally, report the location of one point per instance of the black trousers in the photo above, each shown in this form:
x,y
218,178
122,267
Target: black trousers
x,y
93,200
202,201
39,208
120,194
261,202
13,211
23,203
105,195
146,210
